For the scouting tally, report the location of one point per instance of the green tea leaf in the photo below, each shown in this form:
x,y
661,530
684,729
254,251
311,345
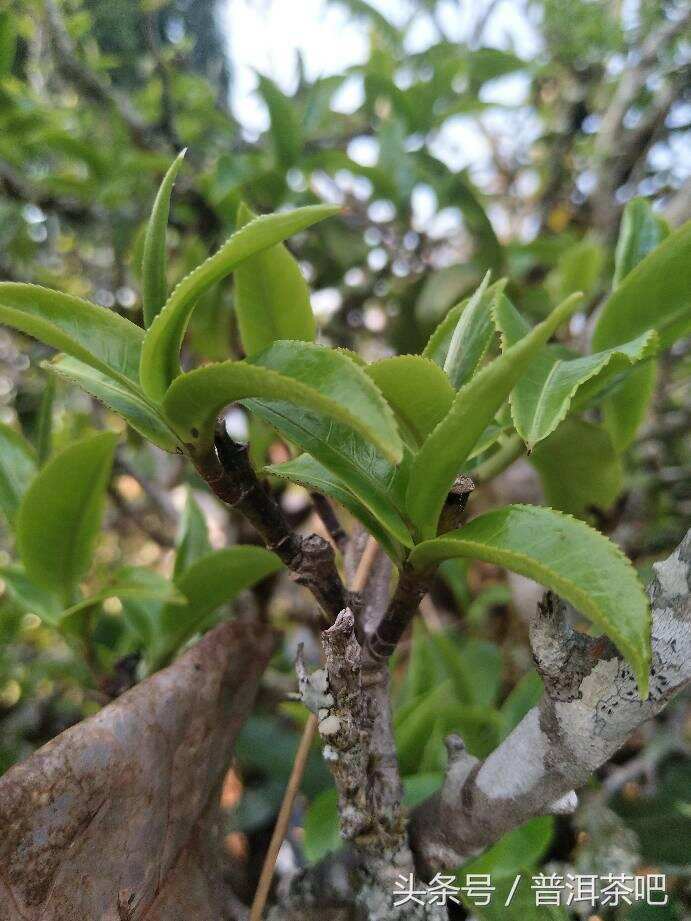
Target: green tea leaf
x,y
95,335
578,269
437,347
640,232
160,363
211,581
322,826
472,335
60,515
125,401
155,288
479,726
523,697
523,847
44,424
473,667
8,42
285,127
542,396
303,373
309,473
579,468
417,390
193,541
18,467
376,483
272,299
131,583
30,597
625,410
558,551
449,445
656,294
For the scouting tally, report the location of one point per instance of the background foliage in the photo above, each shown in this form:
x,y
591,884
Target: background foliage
x,y
95,100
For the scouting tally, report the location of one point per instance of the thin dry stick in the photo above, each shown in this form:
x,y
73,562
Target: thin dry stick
x,y
359,582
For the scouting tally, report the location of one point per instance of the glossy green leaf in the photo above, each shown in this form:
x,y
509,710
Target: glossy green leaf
x,y
8,42
473,667
160,363
305,374
472,335
579,468
640,232
44,423
479,726
558,551
522,847
129,404
445,451
655,294
417,390
60,514
579,269
309,473
523,697
286,132
625,410
30,597
322,826
193,539
131,583
154,285
376,483
542,396
18,467
94,335
213,580
437,347
515,855
272,299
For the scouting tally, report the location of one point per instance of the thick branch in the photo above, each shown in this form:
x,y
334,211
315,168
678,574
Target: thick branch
x,y
118,817
590,708
351,699
411,588
412,585
229,473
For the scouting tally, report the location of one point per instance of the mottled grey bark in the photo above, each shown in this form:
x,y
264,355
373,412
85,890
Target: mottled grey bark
x,y
590,708
116,819
351,699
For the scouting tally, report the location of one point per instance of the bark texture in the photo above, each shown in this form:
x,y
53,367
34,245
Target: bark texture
x,y
116,818
229,474
350,696
590,708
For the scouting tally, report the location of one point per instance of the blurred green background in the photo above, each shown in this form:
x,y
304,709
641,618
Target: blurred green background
x,y
457,137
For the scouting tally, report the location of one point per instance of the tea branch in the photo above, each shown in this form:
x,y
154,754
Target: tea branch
x,y
589,709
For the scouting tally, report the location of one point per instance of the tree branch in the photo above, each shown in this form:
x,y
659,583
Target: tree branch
x,y
229,473
350,698
413,585
590,708
118,817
